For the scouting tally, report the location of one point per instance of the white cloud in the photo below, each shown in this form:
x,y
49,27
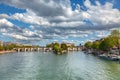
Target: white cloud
x,y
70,24
9,30
103,15
101,34
30,18
3,16
16,36
5,22
3,30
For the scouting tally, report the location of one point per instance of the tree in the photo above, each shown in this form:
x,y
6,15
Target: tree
x,y
56,44
95,45
64,46
1,48
9,46
56,48
49,45
115,33
107,44
88,44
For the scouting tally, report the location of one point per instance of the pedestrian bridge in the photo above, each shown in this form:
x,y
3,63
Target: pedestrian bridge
x,y
32,49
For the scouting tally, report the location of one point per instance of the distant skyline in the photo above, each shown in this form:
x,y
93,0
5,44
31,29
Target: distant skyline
x,y
40,22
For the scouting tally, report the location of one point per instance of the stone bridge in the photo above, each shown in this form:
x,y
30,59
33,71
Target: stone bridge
x,y
44,49
32,49
77,48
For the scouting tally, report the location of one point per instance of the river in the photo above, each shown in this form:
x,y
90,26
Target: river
x,y
48,66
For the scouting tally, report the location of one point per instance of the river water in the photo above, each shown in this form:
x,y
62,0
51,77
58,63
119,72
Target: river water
x,y
48,66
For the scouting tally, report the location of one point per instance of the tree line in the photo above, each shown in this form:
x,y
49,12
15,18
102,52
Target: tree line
x,y
13,45
105,44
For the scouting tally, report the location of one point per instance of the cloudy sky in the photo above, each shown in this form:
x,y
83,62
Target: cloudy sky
x,y
41,22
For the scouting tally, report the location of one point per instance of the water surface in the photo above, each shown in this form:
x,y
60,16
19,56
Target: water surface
x,y
48,66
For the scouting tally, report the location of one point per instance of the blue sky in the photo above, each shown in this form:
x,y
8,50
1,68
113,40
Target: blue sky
x,y
44,21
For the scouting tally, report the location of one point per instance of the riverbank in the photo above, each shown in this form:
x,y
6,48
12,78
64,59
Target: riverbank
x,y
113,56
10,51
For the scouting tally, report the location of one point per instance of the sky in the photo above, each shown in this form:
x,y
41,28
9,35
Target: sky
x,y
39,22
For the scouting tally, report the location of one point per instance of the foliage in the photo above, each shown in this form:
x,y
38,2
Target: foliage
x,y
95,45
56,47
1,48
88,44
107,43
59,48
49,45
64,46
115,33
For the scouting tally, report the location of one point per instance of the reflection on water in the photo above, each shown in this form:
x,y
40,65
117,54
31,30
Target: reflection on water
x,y
48,66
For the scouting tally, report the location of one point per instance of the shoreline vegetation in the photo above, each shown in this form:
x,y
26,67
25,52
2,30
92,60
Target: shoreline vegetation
x,y
63,48
106,48
58,48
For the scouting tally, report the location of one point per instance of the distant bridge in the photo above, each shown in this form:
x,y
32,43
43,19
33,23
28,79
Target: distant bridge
x,y
76,48
44,49
32,49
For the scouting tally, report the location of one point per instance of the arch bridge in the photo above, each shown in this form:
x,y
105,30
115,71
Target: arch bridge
x,y
32,49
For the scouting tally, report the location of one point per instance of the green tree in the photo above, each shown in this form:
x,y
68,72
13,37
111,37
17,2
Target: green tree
x,y
9,46
1,48
107,43
64,46
56,44
95,45
88,44
115,33
49,45
56,48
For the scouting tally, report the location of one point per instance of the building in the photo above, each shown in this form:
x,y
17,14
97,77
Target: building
x,y
27,45
70,44
1,43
